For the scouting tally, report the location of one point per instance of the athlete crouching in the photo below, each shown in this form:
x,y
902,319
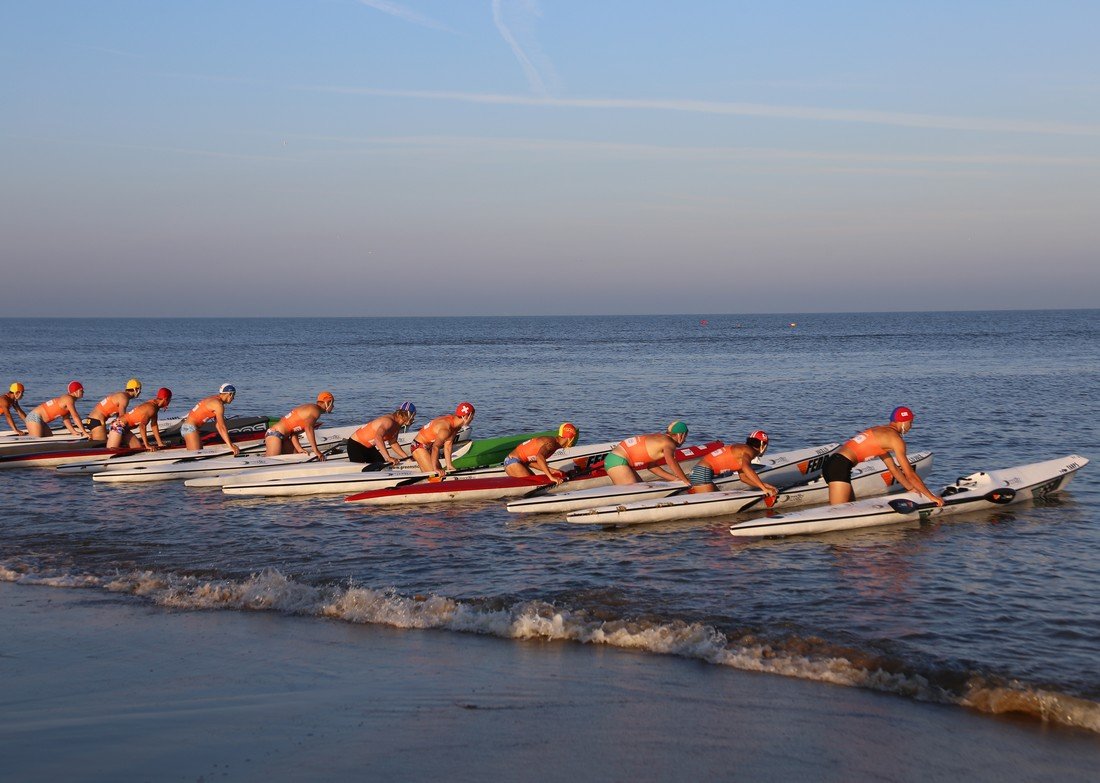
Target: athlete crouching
x,y
735,458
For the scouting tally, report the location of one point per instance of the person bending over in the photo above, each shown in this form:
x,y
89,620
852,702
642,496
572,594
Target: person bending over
x,y
884,441
642,451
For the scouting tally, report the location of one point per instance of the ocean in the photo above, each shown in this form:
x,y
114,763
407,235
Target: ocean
x,y
995,611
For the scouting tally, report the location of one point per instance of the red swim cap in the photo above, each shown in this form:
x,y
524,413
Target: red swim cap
x,y
761,436
76,386
464,409
164,394
901,413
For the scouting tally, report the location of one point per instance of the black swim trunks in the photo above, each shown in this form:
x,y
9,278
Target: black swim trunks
x,y
357,452
837,467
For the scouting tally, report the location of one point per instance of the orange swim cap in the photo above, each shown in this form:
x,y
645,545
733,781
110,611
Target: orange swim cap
x,y
325,397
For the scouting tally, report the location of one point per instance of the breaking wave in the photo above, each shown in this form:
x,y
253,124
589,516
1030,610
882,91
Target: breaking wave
x,y
803,658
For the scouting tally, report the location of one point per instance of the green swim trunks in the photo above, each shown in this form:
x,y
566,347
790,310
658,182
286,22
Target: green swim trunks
x,y
614,461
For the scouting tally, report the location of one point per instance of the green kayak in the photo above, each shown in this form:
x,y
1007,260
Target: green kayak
x,y
492,451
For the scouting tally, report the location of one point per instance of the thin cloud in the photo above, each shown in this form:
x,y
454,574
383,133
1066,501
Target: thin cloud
x,y
652,151
526,8
862,116
407,14
191,151
110,51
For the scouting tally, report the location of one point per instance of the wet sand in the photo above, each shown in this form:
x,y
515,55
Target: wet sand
x,y
105,687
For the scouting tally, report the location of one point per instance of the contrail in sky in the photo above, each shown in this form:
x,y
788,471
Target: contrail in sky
x,y
393,9
865,116
533,77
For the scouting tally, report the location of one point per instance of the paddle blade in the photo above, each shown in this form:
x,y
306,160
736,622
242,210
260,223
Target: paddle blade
x,y
905,506
1002,496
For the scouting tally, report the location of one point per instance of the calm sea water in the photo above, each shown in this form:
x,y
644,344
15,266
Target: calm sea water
x,y
996,610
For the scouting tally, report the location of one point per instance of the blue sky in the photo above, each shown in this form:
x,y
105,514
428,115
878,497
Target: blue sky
x,y
353,157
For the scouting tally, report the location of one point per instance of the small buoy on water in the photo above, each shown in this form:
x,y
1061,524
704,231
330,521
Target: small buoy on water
x,y
792,324
704,322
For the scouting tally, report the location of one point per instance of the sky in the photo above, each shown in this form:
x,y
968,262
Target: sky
x,y
547,157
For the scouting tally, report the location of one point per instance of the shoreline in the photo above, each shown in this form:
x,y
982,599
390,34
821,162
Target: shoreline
x,y
101,686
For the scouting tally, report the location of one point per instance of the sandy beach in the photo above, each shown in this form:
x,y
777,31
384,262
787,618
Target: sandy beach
x,y
105,687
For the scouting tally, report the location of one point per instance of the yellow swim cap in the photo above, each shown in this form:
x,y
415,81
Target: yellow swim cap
x,y
16,388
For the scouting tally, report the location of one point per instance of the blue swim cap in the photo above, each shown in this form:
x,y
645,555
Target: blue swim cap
x,y
227,388
408,407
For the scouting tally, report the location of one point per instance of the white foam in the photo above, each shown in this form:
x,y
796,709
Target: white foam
x,y
272,591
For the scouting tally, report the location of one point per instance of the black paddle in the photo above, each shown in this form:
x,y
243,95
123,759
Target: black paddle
x,y
1001,496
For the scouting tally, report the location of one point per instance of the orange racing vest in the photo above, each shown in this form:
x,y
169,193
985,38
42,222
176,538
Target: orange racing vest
x,y
366,434
51,409
723,460
426,434
528,451
105,408
295,422
133,418
636,452
865,446
202,412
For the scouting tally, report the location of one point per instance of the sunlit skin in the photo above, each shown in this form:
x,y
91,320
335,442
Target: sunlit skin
x,y
659,446
381,433
200,413
308,415
746,473
439,435
8,403
117,400
70,418
547,446
142,418
889,437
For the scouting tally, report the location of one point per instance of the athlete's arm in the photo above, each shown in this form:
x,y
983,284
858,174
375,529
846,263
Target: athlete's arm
x,y
380,446
915,482
65,423
904,473
142,437
554,475
311,435
77,424
219,425
124,406
154,424
11,423
675,472
748,475
434,454
394,448
448,448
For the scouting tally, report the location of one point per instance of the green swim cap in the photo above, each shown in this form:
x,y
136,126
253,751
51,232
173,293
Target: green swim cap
x,y
677,428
